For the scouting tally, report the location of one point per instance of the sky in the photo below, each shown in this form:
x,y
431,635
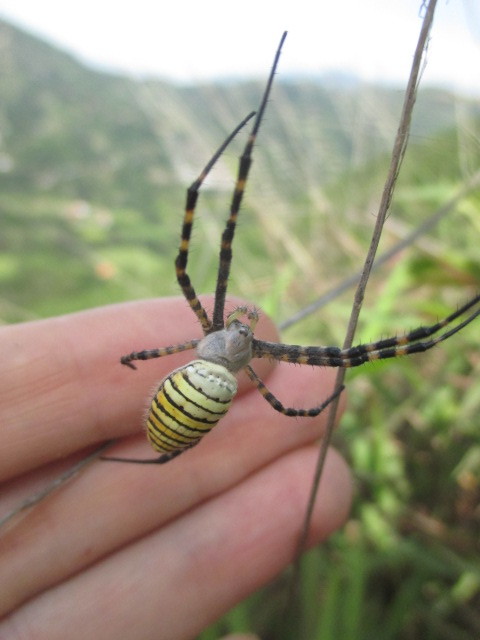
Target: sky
x,y
190,41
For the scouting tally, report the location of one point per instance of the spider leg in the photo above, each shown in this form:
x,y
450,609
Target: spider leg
x,y
182,257
229,231
165,457
415,347
157,353
419,333
288,411
389,348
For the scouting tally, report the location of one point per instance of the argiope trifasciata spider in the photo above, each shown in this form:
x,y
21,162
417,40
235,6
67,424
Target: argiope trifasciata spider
x,y
192,399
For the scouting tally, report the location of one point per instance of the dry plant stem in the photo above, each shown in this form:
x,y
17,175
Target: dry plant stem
x,y
398,153
427,225
56,484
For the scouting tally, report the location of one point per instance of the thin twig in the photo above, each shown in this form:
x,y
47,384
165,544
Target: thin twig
x,y
427,225
55,484
398,153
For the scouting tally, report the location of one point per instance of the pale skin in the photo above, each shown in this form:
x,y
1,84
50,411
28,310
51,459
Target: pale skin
x,y
146,551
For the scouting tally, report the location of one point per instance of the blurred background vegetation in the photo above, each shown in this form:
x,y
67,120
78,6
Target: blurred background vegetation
x,y
93,173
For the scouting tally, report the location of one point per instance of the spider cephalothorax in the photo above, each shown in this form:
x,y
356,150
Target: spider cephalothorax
x,y
192,399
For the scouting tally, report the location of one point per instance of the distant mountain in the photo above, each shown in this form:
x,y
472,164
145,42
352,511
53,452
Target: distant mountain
x,y
71,131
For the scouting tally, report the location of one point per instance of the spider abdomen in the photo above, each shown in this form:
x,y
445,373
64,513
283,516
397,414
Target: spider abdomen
x,y
188,404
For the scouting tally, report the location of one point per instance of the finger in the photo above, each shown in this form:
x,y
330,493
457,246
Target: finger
x,y
111,504
174,582
61,384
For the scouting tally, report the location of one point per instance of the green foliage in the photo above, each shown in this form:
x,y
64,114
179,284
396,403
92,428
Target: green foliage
x,y
94,171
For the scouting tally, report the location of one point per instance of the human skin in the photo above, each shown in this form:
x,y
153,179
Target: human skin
x,y
146,551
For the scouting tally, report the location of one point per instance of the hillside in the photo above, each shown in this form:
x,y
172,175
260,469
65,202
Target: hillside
x,y
69,130
94,169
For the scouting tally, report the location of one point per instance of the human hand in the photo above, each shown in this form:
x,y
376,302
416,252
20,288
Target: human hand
x,y
144,551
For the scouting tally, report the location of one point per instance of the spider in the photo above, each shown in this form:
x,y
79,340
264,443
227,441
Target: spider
x,y
193,398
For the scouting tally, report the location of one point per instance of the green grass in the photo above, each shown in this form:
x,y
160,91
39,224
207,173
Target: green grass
x,y
406,565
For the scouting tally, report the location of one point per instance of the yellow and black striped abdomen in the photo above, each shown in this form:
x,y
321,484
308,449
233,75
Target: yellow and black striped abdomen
x,y
188,403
